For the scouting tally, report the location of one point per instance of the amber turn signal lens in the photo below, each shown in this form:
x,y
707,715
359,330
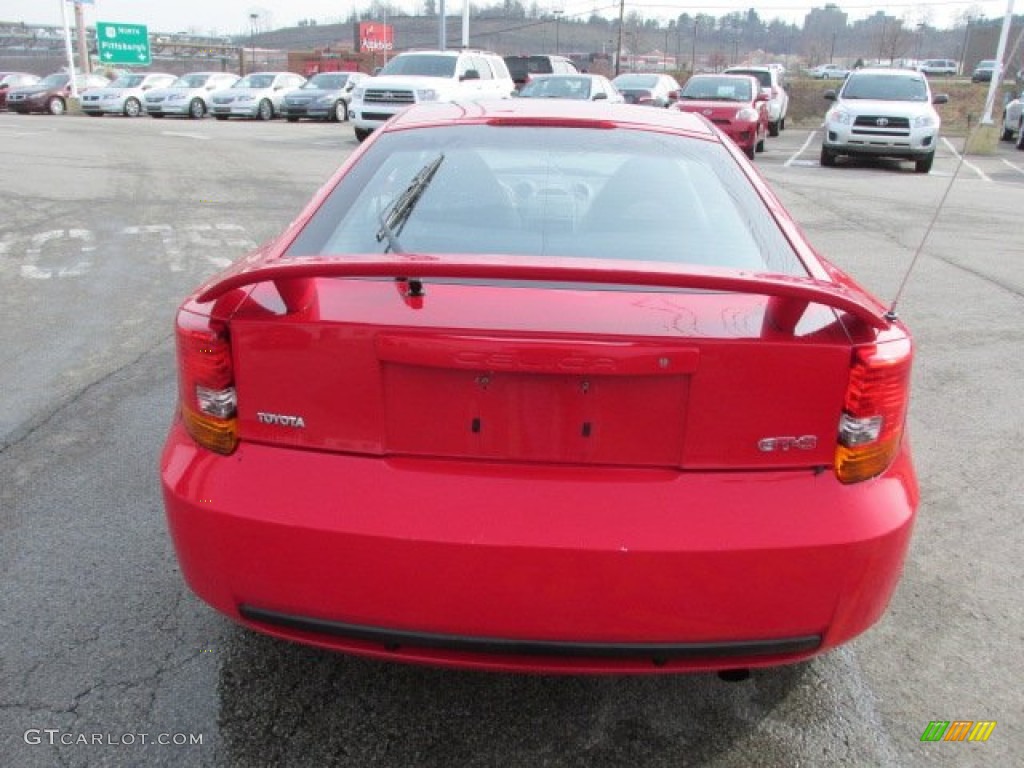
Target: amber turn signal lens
x,y
219,435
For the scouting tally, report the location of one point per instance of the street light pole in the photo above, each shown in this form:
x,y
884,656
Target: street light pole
x,y
693,49
618,47
558,21
252,42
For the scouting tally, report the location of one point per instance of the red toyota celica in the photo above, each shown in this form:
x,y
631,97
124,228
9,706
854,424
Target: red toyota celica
x,y
543,385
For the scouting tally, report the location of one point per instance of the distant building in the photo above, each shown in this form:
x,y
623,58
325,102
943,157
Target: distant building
x,y
823,34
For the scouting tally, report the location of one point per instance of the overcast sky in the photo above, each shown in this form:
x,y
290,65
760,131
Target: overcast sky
x,y
230,17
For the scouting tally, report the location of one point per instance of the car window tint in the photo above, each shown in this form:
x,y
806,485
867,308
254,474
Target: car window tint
x,y
572,193
426,64
885,87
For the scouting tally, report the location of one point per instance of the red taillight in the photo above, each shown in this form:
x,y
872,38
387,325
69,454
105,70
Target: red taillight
x,y
875,410
206,382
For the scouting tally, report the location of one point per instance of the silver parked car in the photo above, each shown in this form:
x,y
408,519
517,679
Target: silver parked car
x,y
325,96
652,90
1013,118
257,95
189,95
123,96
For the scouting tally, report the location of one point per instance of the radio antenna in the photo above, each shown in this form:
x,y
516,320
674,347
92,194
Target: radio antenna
x,y
892,314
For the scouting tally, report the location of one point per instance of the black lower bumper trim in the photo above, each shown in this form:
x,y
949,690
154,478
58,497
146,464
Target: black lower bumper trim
x,y
394,640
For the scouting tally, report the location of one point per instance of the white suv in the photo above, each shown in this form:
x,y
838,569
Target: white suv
x,y
416,76
884,113
772,78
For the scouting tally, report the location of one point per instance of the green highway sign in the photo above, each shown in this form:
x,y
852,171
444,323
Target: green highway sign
x,y
122,43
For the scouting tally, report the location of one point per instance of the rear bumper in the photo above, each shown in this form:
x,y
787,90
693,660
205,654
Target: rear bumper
x,y
552,569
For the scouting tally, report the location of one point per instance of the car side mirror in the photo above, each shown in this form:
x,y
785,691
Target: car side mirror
x,y
598,96
940,98
830,95
471,74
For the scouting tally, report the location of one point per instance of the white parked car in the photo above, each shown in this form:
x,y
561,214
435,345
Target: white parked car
x,y
189,95
883,113
258,95
828,72
772,79
939,67
417,76
124,96
1013,118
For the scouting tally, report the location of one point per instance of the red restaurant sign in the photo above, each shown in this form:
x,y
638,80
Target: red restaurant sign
x,y
374,36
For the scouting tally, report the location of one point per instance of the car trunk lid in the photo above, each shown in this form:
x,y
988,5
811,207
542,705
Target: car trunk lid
x,y
550,373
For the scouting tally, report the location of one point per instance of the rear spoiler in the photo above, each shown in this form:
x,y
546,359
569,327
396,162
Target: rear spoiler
x,y
293,278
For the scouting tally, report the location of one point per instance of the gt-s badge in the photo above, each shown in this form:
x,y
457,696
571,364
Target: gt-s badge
x,y
802,443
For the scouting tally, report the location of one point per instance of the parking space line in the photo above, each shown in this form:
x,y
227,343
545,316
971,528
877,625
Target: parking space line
x,y
1012,165
792,158
964,160
186,135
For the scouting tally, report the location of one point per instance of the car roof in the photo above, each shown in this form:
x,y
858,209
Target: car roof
x,y
573,75
723,75
581,113
887,71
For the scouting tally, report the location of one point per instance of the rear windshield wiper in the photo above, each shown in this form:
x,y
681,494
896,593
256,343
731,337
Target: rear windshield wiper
x,y
394,217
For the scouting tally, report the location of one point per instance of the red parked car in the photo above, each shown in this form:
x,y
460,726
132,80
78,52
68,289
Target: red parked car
x,y
543,385
734,103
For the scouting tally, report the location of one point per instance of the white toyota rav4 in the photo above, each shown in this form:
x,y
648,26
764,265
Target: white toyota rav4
x,y
883,113
416,76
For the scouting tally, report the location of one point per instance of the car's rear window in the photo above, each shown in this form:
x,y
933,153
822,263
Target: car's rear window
x,y
565,191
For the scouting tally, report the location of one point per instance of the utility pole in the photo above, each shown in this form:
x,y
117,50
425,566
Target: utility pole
x,y
997,76
67,49
693,49
253,17
442,32
618,50
558,20
83,46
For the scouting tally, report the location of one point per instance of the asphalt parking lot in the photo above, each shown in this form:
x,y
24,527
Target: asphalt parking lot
x,y
107,659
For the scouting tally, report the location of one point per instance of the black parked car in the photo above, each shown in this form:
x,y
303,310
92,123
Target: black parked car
x,y
522,68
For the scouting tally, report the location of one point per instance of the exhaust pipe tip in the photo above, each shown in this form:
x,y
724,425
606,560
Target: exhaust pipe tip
x,y
733,675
